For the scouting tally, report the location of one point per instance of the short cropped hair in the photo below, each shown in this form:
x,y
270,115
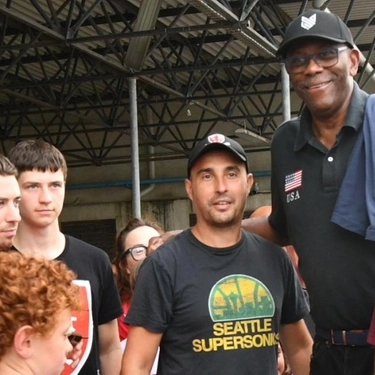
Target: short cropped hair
x,y
6,167
33,292
37,154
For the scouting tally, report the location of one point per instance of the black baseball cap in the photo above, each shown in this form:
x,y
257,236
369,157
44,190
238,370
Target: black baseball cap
x,y
316,24
216,141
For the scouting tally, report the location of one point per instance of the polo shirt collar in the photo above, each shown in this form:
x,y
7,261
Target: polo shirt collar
x,y
354,118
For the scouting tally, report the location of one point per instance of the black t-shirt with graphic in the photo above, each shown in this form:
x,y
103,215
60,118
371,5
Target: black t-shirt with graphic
x,y
219,310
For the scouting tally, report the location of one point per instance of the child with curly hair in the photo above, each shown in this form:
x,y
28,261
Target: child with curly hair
x,y
37,298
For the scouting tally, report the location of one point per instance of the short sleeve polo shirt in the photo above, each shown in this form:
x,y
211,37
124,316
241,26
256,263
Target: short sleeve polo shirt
x,y
306,178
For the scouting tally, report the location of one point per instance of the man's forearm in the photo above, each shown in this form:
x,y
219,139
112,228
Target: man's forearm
x,y
301,363
261,226
110,362
133,371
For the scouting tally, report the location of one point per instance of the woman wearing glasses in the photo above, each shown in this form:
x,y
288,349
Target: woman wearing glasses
x,y
131,246
37,299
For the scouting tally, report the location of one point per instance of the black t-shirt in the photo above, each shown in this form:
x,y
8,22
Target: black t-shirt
x,y
219,309
93,264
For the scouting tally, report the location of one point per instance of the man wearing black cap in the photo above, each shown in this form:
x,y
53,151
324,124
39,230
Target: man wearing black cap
x,y
309,160
215,298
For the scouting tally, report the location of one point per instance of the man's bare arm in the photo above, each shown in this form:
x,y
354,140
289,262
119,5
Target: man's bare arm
x,y
297,344
109,348
140,351
260,225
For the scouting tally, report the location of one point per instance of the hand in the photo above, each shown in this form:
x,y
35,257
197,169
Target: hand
x,y
154,243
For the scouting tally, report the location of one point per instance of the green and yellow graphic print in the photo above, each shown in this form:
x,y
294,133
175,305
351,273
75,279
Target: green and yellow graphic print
x,y
241,308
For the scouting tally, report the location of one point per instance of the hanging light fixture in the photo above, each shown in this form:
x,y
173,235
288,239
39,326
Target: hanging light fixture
x,y
251,137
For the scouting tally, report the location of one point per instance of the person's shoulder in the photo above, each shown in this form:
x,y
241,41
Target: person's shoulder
x,y
253,237
261,244
79,246
291,125
285,135
180,236
175,249
359,96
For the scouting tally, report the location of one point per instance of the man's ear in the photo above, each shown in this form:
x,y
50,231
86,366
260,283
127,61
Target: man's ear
x,y
250,182
188,189
354,61
23,341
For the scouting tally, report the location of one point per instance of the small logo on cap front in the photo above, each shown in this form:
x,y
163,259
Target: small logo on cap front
x,y
308,22
216,138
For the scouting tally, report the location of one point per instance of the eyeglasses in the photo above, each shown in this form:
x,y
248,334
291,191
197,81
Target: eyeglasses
x,y
325,59
137,252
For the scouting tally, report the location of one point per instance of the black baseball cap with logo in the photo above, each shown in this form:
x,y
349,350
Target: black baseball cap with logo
x,y
316,24
216,141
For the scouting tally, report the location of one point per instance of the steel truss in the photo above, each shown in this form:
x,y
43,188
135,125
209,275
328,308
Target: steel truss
x,y
205,65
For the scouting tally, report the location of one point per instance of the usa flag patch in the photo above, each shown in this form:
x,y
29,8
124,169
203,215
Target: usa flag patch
x,y
293,181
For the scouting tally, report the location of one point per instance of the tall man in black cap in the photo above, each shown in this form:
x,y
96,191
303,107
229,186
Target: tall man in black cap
x,y
215,298
309,160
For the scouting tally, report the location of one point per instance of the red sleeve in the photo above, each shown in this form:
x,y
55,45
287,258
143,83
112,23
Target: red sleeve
x,y
123,328
371,332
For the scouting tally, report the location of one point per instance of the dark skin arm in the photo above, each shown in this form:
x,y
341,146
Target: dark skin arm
x,y
261,226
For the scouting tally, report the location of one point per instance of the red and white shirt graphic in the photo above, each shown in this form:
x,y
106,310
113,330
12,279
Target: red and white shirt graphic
x,y
83,324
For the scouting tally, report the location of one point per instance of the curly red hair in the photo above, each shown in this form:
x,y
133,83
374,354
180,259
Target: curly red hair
x,y
33,292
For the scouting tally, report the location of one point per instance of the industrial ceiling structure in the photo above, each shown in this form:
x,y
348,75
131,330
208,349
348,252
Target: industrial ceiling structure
x,y
93,76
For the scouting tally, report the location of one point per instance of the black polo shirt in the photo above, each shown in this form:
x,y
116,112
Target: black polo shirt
x,y
338,266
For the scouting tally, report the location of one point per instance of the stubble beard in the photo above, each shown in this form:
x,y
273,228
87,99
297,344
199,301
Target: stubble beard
x,y
222,219
6,244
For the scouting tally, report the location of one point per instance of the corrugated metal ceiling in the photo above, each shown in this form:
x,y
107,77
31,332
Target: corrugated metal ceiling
x,y
65,71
